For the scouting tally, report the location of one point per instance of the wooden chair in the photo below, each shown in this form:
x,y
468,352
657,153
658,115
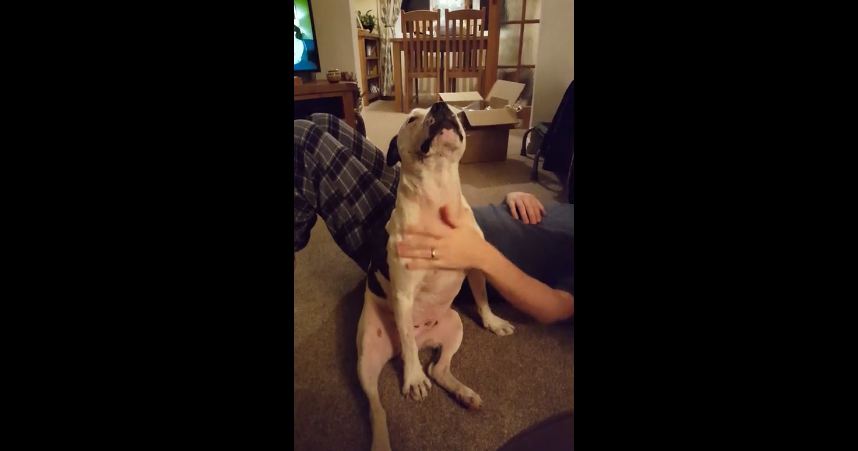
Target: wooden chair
x,y
422,50
465,50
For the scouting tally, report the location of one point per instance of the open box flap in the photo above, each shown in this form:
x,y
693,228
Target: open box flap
x,y
500,116
505,90
469,96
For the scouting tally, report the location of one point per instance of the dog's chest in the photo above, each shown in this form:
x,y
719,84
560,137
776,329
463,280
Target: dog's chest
x,y
435,293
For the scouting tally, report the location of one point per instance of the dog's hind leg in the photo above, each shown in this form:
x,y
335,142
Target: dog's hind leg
x,y
375,349
448,334
492,322
369,368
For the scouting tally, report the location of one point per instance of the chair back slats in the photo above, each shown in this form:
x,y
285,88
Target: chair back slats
x,y
465,55
419,33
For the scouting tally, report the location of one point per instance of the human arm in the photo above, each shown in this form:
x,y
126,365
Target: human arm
x,y
459,246
547,305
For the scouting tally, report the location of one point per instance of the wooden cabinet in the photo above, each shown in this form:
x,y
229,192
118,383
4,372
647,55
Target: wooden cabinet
x,y
319,96
369,47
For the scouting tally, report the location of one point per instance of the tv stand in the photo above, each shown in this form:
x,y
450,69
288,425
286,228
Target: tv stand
x,y
321,96
306,77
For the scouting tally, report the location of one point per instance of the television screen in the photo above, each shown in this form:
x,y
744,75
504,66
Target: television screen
x,y
306,56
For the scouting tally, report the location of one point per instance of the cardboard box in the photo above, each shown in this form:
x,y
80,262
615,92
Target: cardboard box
x,y
487,122
460,99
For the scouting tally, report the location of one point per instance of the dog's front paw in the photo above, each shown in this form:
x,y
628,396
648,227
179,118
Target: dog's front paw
x,y
416,385
498,325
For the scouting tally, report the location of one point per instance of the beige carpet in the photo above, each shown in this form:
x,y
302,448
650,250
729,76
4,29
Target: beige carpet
x,y
523,378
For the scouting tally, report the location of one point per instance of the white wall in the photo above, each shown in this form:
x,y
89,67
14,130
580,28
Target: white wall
x,y
555,64
337,38
364,5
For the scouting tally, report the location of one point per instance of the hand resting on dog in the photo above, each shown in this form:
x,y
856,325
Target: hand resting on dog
x,y
459,247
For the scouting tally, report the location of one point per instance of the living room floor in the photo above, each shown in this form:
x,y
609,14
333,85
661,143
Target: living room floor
x,y
523,378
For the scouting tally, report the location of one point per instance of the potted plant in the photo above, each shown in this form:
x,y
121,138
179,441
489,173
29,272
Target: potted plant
x,y
367,20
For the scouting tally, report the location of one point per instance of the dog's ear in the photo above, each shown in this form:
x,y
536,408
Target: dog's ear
x,y
392,152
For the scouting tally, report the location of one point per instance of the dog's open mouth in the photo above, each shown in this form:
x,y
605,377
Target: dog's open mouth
x,y
447,127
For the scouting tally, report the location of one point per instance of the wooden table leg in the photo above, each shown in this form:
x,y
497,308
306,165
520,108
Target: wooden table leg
x,y
397,76
349,109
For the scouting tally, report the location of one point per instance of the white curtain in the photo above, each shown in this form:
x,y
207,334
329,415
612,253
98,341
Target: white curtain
x,y
389,17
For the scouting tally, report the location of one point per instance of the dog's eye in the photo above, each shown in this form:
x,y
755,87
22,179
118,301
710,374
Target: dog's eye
x,y
412,119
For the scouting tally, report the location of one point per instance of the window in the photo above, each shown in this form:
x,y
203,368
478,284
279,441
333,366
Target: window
x,y
414,5
519,38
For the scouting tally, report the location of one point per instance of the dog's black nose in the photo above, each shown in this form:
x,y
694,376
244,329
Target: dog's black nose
x,y
442,119
440,110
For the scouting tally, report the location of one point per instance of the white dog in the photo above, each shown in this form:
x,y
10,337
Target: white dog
x,y
407,310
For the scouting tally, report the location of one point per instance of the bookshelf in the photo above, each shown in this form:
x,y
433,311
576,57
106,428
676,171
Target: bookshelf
x,y
369,47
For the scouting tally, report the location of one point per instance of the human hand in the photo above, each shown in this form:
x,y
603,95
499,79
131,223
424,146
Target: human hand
x,y
456,245
525,207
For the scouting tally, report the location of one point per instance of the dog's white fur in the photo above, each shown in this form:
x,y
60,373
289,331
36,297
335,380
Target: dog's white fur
x,y
416,312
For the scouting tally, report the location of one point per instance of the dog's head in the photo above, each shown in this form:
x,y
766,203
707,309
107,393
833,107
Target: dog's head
x,y
428,134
